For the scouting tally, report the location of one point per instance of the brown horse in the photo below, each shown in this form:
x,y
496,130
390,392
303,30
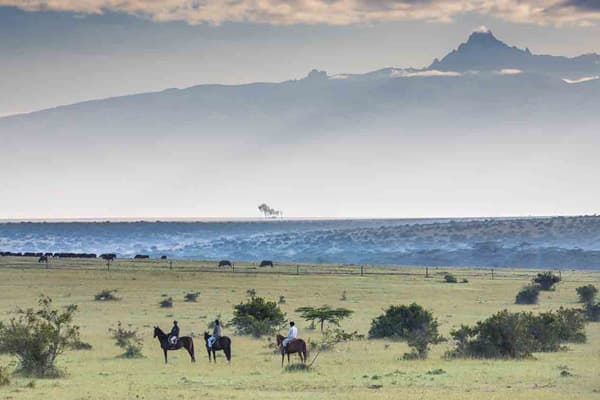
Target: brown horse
x,y
184,342
222,343
295,346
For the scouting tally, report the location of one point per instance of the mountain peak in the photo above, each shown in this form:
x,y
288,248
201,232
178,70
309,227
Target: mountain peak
x,y
482,37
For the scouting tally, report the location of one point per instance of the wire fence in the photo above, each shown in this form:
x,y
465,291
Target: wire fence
x,y
290,269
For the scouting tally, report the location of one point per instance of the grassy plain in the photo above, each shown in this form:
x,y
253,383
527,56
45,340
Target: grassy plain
x,y
371,369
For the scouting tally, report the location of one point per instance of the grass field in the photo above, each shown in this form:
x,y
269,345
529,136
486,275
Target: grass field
x,y
356,370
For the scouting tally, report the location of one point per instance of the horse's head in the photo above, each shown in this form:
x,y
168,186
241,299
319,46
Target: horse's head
x,y
206,335
279,340
156,331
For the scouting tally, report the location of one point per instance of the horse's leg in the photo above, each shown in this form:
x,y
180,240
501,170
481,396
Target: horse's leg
x,y
165,351
190,350
282,357
288,354
214,356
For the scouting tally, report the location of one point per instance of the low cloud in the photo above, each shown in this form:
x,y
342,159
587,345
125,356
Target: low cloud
x,y
509,71
581,80
332,12
418,74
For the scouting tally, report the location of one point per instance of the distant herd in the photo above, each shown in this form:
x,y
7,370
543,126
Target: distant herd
x,y
44,257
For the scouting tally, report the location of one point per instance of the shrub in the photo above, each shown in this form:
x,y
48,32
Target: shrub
x,y
324,314
257,317
38,337
106,295
251,292
281,300
166,303
546,280
592,312
191,297
587,293
528,295
4,377
517,335
449,278
127,339
411,323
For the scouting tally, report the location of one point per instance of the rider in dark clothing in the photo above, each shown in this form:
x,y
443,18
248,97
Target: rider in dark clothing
x,y
174,335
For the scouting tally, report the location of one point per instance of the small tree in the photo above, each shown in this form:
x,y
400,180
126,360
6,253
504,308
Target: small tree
x,y
324,314
411,323
546,280
257,317
128,340
38,337
592,312
528,295
166,303
586,293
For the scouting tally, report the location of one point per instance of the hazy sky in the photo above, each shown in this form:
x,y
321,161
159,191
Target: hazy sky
x,y
63,51
55,52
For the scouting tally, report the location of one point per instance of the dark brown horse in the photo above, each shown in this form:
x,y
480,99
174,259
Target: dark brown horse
x,y
184,342
222,343
295,346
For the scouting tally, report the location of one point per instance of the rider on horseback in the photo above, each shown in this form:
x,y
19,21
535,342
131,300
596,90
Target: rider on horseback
x,y
292,334
215,335
174,335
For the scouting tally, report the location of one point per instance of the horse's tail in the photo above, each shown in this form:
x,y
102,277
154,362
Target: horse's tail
x,y
192,353
228,350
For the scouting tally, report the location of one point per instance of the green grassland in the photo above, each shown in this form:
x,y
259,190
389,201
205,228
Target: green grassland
x,y
355,370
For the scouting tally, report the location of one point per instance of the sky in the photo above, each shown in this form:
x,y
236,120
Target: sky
x,y
57,52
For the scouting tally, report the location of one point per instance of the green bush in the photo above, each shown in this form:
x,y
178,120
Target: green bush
x,y
411,323
191,297
107,295
528,295
281,300
257,317
128,340
166,303
592,312
449,278
546,280
38,337
587,293
517,335
79,345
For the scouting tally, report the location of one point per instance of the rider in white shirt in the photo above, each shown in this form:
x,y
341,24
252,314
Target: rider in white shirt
x,y
292,334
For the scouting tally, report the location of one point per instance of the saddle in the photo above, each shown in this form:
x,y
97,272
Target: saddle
x,y
172,345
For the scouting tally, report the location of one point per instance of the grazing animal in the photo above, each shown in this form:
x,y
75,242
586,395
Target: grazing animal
x,y
222,343
163,257
43,259
295,346
184,342
108,256
225,263
141,256
266,263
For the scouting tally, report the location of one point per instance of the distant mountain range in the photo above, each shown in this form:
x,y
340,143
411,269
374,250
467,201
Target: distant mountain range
x,y
379,133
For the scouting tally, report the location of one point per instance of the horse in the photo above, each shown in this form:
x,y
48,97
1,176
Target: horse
x,y
43,259
185,342
225,263
295,346
266,263
222,343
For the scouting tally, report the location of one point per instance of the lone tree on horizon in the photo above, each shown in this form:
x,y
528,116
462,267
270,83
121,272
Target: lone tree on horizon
x,y
268,211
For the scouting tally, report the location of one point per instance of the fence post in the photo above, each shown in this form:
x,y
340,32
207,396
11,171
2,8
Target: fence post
x,y
560,274
297,269
426,272
171,265
492,273
232,268
362,270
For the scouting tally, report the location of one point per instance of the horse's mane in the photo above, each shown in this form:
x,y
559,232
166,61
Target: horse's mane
x,y
160,331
